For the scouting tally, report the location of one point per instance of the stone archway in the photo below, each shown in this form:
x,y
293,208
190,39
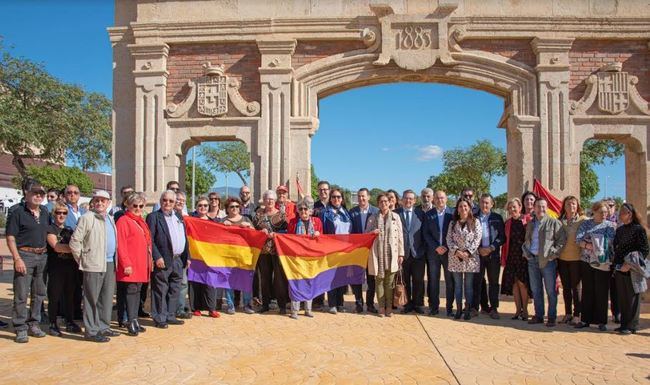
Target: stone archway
x,y
238,72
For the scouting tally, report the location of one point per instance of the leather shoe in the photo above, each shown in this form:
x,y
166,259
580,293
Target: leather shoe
x,y
133,329
175,322
433,312
54,330
161,325
72,327
109,333
358,308
140,328
418,310
143,314
97,338
371,309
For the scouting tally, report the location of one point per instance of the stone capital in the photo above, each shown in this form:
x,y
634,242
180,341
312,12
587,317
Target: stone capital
x,y
150,59
552,53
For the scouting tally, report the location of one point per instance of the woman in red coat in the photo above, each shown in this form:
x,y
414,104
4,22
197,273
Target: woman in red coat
x,y
134,261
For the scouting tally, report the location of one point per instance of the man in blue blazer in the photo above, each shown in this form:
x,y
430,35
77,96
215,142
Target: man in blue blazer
x,y
493,236
436,225
169,251
414,252
359,216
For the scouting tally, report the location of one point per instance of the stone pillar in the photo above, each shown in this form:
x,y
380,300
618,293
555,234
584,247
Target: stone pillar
x,y
302,130
520,134
557,160
637,183
273,150
150,141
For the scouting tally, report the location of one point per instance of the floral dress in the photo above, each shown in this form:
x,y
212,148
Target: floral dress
x,y
468,238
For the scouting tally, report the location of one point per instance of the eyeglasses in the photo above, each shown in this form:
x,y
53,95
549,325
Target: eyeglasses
x,y
174,188
127,192
202,205
72,192
303,209
336,197
169,200
245,192
137,206
612,205
233,207
60,213
469,196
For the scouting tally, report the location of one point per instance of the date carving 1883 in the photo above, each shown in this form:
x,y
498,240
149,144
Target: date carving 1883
x,y
413,37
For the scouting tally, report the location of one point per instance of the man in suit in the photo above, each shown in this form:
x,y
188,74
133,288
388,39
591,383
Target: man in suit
x,y
169,251
359,217
414,252
436,225
493,236
323,198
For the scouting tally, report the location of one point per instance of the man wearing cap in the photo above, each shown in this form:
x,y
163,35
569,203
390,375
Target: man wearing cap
x,y
93,246
27,240
284,204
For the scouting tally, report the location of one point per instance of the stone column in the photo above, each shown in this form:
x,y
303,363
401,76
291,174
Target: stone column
x,y
273,150
150,141
520,135
637,183
557,160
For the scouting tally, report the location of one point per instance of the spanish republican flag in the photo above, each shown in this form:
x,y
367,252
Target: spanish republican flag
x,y
316,265
554,204
222,256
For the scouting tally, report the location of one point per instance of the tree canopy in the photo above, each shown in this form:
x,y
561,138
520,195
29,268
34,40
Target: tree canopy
x,y
228,157
58,178
204,180
595,152
44,118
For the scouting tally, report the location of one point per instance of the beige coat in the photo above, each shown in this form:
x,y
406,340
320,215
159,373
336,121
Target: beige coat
x,y
396,241
88,242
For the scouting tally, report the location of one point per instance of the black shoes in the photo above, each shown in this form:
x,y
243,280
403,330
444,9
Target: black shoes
x,y
72,327
371,309
458,314
109,333
143,314
175,322
418,310
97,338
140,328
133,329
358,308
468,315
54,330
160,325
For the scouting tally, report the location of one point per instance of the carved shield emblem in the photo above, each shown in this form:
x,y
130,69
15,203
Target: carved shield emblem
x,y
212,96
613,92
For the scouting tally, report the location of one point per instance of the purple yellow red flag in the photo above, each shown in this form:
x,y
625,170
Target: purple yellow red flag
x,y
316,265
222,256
554,204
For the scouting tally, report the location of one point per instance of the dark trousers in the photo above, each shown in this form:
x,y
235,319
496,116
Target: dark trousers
x,y
436,263
33,280
357,290
202,297
595,293
280,284
613,297
370,292
492,265
78,296
61,285
629,301
571,287
99,288
131,292
413,274
335,296
165,286
265,270
122,315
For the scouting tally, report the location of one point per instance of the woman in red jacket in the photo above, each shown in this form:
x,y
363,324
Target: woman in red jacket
x,y
134,261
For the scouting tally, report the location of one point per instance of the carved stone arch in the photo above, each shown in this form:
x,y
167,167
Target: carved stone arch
x,y
512,80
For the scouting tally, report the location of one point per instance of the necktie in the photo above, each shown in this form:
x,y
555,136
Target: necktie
x,y
408,219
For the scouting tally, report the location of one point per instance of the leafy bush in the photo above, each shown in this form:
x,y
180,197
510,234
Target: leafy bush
x,y
58,177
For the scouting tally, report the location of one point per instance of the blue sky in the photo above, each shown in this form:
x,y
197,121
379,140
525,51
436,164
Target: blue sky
x,y
386,136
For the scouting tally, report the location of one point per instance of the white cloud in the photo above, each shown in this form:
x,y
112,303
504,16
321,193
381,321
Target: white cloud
x,y
429,152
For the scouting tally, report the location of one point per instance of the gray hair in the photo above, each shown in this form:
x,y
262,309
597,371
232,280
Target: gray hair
x,y
306,202
270,194
426,191
166,193
135,198
180,194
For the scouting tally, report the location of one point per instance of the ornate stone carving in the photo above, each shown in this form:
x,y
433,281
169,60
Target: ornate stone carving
x,y
414,42
212,92
615,90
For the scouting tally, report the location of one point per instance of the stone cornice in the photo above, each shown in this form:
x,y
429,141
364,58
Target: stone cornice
x,y
551,44
161,49
277,47
351,28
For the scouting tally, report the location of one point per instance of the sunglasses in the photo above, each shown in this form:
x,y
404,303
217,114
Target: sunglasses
x,y
612,205
303,209
60,213
233,207
137,206
202,205
245,192
469,195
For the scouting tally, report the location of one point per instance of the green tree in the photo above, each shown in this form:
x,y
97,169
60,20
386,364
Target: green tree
x,y
229,157
475,167
205,179
314,183
595,152
42,118
58,177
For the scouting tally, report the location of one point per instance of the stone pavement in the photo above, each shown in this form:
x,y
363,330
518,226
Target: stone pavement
x,y
342,349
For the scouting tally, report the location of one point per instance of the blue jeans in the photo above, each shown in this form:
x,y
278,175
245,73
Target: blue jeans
x,y
541,279
230,298
458,289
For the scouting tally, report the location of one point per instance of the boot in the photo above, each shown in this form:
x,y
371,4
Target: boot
x,y
132,327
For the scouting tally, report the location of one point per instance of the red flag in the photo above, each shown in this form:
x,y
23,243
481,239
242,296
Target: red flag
x,y
554,204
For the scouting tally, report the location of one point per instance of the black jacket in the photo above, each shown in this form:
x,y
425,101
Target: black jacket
x,y
161,242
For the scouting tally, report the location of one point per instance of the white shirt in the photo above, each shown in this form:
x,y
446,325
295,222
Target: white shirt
x,y
176,233
364,217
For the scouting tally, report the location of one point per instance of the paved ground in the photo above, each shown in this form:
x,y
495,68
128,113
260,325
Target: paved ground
x,y
341,349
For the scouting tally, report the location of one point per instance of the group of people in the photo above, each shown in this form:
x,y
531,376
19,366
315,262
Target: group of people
x,y
74,257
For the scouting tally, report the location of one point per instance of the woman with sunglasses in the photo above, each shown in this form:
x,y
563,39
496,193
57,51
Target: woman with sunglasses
x,y
336,220
234,218
631,237
134,261
214,211
272,279
202,296
387,253
62,271
304,224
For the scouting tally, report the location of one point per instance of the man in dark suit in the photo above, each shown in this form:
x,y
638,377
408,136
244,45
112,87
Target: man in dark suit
x,y
436,225
169,251
414,252
359,217
493,236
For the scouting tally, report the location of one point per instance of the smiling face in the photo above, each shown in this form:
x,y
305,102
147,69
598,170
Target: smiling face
x,y
384,204
245,194
440,200
463,210
324,192
100,205
167,202
72,194
571,208
540,208
362,197
514,209
232,209
486,205
408,200
304,212
202,207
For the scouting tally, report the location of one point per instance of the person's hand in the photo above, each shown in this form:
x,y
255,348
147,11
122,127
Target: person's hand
x,y
128,270
265,231
316,234
245,224
375,231
189,261
589,246
271,235
441,250
625,268
160,263
19,266
400,259
484,251
226,223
